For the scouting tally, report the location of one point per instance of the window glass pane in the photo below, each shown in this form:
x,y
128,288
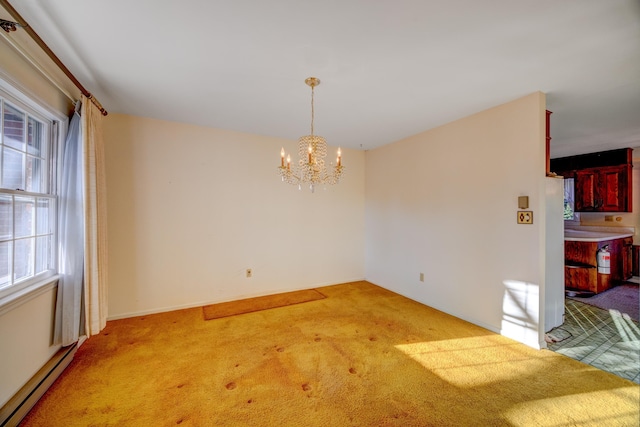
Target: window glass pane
x,y
6,217
23,262
13,169
24,216
34,175
28,244
569,198
5,263
13,127
43,227
35,140
43,253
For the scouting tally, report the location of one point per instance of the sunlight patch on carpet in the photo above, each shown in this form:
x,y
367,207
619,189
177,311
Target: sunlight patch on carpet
x,y
474,361
249,305
594,404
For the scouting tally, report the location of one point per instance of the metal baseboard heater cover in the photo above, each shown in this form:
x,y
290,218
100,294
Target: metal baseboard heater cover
x,y
21,403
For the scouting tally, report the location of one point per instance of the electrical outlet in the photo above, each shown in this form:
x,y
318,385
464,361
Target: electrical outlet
x,y
249,272
422,277
525,217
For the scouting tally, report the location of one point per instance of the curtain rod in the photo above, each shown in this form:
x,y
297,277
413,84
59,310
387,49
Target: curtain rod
x,y
23,24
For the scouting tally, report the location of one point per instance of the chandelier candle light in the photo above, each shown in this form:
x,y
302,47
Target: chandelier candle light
x,y
312,150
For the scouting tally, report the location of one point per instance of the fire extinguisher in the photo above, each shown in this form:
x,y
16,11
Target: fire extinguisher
x,y
604,260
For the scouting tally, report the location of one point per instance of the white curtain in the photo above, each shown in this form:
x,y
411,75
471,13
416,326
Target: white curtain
x,y
95,247
70,236
81,306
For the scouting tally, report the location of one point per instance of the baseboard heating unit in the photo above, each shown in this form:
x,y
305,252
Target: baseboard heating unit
x,y
21,403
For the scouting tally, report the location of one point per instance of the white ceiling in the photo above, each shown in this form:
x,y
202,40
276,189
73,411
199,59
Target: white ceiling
x,y
389,68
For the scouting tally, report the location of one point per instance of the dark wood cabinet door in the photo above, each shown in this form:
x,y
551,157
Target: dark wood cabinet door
x,y
613,184
627,258
605,189
586,184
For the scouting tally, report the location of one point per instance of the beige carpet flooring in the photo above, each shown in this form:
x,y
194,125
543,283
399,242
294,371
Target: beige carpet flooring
x,y
363,356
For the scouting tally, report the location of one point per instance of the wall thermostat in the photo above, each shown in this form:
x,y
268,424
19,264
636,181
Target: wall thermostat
x,y
523,202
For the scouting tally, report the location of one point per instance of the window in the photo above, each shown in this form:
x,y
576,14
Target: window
x,y
569,201
27,200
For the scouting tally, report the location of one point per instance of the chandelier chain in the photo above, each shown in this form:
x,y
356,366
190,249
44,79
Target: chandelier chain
x,y
312,109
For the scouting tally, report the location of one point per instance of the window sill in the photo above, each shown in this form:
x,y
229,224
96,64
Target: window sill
x,y
16,299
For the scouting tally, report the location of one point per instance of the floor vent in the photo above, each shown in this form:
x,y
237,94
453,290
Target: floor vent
x,y
21,403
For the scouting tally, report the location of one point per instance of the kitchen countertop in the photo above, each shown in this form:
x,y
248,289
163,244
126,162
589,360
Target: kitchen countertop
x,y
595,235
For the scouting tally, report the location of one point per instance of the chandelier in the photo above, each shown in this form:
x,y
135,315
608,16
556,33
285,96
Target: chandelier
x,y
312,149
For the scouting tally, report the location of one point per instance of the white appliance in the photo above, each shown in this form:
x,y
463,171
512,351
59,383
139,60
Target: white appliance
x,y
554,253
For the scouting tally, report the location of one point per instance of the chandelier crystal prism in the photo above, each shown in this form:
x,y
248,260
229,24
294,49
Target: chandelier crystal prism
x,y
312,150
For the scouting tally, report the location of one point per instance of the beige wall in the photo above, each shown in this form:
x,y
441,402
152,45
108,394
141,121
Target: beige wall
x,y
444,203
191,208
26,334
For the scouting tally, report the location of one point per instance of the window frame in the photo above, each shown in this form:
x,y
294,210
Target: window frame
x,y
34,107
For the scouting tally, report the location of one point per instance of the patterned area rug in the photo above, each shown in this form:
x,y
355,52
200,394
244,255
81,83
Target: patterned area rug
x,y
623,298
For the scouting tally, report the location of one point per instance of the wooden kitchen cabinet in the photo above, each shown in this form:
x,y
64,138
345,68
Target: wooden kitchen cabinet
x,y
582,278
548,142
602,180
581,264
627,258
603,189
581,267
586,190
